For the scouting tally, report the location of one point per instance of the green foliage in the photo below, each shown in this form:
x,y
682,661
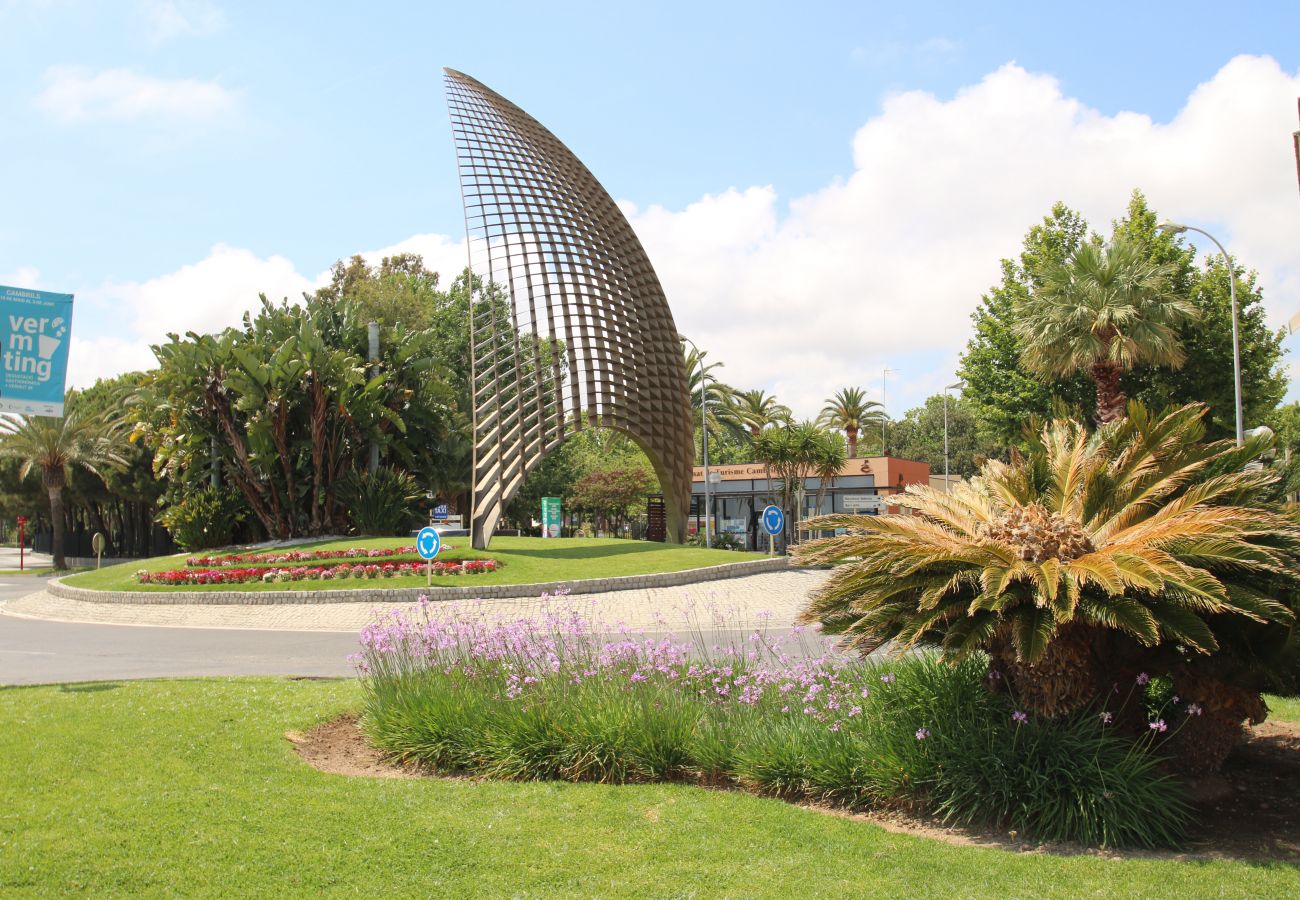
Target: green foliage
x,y
1104,311
610,496
919,435
1134,548
920,733
382,503
1005,397
794,452
54,446
294,406
850,411
204,518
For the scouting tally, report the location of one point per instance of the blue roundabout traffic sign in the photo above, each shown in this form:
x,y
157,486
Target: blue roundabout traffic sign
x,y
428,543
773,520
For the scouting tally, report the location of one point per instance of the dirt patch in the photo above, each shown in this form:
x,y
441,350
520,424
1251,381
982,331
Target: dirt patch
x,y
340,748
1251,812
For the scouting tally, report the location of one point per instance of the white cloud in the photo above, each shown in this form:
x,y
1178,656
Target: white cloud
x,y
167,19
883,267
886,266
24,277
75,94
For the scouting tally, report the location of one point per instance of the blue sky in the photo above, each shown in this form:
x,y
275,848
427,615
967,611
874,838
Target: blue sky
x,y
167,156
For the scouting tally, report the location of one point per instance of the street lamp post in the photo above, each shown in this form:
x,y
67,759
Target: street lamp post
x,y
884,404
704,433
1169,227
955,386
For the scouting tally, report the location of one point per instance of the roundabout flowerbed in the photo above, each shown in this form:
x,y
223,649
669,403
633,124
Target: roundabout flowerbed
x,y
338,571
300,556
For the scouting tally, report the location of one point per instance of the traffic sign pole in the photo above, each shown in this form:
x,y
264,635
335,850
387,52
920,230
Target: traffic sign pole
x,y
427,543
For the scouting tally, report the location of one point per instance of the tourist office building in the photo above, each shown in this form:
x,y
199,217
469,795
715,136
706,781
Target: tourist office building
x,y
738,493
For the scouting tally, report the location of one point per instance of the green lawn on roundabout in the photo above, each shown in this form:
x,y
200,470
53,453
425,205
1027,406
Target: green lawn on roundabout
x,y
189,787
523,560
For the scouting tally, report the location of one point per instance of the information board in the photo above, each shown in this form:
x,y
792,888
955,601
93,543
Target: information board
x,y
35,330
551,521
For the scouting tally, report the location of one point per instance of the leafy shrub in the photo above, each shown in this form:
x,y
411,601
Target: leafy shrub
x,y
1083,561
382,503
552,698
204,518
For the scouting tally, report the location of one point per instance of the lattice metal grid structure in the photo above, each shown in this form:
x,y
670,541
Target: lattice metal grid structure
x,y
569,326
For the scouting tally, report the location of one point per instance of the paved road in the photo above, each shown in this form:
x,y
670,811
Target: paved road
x,y
35,652
41,652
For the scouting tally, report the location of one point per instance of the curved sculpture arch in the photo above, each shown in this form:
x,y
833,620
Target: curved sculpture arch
x,y
571,327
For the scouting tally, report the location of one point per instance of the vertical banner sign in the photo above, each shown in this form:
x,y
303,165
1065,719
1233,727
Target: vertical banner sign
x,y
551,517
35,330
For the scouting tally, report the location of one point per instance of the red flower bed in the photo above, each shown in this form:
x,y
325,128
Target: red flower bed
x,y
299,556
231,575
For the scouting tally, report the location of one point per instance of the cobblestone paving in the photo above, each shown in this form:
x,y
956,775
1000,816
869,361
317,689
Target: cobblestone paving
x,y
773,598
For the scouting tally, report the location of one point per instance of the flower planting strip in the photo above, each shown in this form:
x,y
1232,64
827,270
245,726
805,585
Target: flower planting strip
x,y
336,570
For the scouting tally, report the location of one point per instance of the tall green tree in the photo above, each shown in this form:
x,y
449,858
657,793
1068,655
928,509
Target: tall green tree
x,y
54,446
1001,393
919,435
294,404
1005,396
1206,374
1105,310
850,411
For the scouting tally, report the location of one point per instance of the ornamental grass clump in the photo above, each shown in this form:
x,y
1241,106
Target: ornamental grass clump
x,y
560,697
1085,560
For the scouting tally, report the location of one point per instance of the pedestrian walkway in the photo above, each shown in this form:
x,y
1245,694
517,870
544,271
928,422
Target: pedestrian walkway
x,y
9,559
773,598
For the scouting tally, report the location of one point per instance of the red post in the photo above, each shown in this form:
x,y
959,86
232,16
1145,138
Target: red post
x,y
22,540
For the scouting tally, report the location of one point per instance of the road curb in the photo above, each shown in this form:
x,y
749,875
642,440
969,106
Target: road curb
x,y
57,588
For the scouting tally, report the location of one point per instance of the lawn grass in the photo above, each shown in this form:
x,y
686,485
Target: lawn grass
x,y
523,560
189,787
1283,709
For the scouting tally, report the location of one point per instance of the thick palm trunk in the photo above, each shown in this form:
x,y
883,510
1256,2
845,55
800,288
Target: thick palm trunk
x,y
1112,404
56,526
852,435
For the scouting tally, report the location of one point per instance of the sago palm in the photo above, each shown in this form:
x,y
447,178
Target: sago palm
x,y
1105,310
850,411
1074,562
52,446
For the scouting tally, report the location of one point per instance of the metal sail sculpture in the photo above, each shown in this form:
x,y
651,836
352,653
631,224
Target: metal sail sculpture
x,y
569,326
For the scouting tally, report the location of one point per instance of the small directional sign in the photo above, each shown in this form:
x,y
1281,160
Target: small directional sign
x,y
428,543
773,520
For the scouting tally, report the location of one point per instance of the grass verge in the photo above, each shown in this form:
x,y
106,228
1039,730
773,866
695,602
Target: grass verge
x,y
523,561
188,787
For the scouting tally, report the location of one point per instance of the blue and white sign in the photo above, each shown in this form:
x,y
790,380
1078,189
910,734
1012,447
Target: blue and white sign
x,y
773,520
428,543
35,330
440,512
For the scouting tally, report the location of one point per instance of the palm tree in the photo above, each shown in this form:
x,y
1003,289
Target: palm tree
x,y
851,411
829,459
1105,310
53,445
1087,560
718,393
756,410
789,453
